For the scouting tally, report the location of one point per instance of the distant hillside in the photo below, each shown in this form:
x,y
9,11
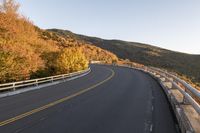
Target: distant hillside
x,y
183,64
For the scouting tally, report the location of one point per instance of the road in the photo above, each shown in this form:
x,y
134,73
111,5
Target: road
x,y
107,100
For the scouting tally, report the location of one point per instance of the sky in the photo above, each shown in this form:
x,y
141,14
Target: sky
x,y
171,24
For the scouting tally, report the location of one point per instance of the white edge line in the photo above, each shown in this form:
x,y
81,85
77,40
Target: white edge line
x,y
151,128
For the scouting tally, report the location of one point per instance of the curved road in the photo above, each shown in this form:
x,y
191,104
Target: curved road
x,y
107,100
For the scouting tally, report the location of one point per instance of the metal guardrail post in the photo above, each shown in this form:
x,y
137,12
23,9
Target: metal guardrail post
x,y
36,82
13,87
70,75
63,77
185,101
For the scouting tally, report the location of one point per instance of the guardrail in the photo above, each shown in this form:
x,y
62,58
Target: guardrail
x,y
191,96
35,82
188,121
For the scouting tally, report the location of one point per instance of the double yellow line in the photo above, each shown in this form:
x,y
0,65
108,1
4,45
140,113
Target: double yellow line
x,y
11,120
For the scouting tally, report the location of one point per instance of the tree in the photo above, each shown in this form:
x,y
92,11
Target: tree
x,y
11,67
70,60
9,7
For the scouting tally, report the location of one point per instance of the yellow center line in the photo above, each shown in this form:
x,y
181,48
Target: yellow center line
x,y
11,120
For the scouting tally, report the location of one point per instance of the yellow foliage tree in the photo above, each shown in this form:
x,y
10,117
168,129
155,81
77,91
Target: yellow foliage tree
x,y
71,60
10,66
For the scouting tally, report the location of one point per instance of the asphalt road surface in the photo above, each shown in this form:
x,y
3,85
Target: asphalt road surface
x,y
107,100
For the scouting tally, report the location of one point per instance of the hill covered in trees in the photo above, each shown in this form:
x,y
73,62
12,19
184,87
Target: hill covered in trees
x,y
186,65
27,51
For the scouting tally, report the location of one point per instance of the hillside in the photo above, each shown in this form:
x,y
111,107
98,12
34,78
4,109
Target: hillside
x,y
184,64
27,51
91,52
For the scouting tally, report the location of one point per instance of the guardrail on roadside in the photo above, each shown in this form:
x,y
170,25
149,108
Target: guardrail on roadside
x,y
35,82
191,96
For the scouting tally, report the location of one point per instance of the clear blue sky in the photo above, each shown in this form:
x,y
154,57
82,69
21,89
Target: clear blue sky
x,y
171,24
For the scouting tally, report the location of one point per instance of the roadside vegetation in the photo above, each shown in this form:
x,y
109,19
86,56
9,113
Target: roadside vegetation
x,y
27,51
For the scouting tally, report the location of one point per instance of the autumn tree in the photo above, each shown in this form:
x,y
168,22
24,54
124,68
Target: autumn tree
x,y
9,7
71,60
18,56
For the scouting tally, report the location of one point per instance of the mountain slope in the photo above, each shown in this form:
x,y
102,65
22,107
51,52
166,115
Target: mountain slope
x,y
27,51
184,64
